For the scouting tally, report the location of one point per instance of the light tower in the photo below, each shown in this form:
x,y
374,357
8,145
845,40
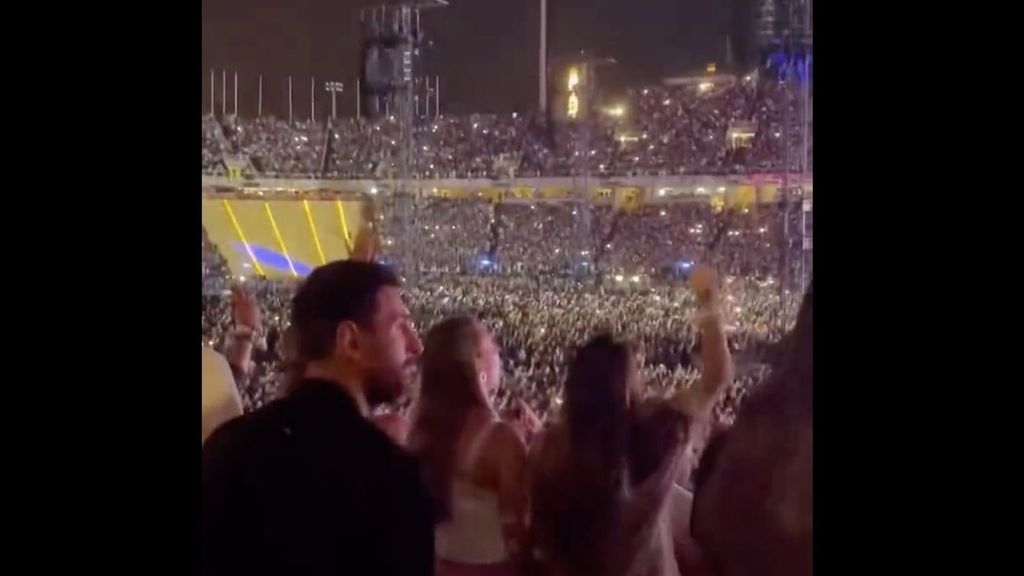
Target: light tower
x,y
392,38
785,42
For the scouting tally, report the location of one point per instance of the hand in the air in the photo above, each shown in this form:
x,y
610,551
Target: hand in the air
x,y
704,283
245,309
367,244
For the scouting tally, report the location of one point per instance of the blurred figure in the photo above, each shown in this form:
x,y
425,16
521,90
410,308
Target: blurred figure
x,y
306,484
753,508
223,376
475,464
221,401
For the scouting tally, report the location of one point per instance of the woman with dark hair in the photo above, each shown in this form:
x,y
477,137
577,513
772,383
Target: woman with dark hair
x,y
603,480
588,516
474,464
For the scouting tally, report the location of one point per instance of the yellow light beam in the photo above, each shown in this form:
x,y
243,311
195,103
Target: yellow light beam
x,y
312,228
241,236
344,226
280,241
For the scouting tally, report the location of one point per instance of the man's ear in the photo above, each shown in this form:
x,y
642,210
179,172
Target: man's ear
x,y
346,340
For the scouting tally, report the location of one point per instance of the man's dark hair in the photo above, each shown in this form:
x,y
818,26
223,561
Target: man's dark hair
x,y
344,291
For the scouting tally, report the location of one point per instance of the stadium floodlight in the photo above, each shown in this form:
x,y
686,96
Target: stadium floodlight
x,y
334,87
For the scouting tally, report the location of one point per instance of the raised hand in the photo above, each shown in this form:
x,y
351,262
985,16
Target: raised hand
x,y
704,283
245,309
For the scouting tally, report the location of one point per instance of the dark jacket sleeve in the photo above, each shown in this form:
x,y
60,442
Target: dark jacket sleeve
x,y
223,510
413,535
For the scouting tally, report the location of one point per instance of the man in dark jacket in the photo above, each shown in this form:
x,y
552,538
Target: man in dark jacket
x,y
307,485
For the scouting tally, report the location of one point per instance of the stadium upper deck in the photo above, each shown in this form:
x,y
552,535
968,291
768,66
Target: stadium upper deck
x,y
656,132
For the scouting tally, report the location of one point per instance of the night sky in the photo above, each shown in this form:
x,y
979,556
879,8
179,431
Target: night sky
x,y
485,51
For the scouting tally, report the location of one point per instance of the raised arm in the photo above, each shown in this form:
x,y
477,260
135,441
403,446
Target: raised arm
x,y
248,321
367,244
717,372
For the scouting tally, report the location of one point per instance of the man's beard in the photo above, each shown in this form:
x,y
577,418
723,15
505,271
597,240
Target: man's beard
x,y
386,388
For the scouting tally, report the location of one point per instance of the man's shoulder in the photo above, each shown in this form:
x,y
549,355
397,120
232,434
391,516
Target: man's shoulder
x,y
248,432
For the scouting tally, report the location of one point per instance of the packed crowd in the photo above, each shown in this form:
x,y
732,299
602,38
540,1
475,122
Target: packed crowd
x,y
537,328
667,130
579,240
561,384
509,265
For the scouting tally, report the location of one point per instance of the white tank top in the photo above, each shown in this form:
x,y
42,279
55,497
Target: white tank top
x,y
473,534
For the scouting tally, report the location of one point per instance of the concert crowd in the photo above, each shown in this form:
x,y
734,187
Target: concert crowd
x,y
529,273
735,129
520,387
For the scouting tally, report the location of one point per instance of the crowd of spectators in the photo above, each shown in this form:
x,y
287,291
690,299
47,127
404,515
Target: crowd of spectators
x,y
580,239
661,131
517,267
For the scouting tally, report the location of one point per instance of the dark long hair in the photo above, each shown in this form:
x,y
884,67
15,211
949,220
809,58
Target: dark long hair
x,y
449,392
597,422
656,432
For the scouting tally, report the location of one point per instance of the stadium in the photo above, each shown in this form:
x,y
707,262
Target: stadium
x,y
672,223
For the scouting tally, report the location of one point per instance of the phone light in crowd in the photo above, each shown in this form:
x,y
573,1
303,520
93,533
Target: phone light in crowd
x,y
701,190
618,278
635,279
617,111
241,279
721,189
373,190
705,86
662,192
246,265
662,213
